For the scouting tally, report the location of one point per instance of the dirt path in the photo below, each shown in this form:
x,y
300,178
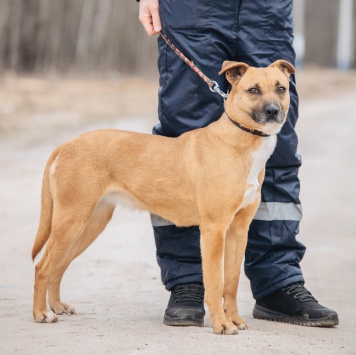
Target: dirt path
x,y
115,285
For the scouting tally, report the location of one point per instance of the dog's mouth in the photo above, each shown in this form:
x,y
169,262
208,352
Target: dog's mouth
x,y
263,119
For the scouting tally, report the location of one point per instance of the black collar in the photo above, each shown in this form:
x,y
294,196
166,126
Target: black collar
x,y
252,131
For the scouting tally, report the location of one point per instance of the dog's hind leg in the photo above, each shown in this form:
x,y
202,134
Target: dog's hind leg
x,y
97,223
235,246
65,230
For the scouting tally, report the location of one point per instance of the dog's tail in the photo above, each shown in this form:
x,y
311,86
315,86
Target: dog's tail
x,y
44,228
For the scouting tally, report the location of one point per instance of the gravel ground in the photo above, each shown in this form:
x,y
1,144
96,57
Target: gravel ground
x,y
115,285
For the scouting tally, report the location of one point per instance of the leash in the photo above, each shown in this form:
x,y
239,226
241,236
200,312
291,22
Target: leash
x,y
213,85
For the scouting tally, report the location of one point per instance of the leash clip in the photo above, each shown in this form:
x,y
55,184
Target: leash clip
x,y
215,88
213,85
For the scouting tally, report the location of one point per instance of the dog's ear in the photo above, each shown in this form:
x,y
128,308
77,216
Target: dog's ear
x,y
234,70
284,66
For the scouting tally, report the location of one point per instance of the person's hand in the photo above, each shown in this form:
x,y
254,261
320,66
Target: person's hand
x,y
149,16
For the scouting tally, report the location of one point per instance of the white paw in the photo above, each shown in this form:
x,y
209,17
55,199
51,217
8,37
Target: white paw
x,y
49,317
63,308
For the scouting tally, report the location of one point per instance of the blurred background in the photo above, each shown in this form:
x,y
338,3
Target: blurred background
x,y
82,60
85,36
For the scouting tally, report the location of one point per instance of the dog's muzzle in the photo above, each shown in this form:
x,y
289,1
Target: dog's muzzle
x,y
270,113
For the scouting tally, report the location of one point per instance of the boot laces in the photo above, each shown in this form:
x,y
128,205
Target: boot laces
x,y
300,292
184,293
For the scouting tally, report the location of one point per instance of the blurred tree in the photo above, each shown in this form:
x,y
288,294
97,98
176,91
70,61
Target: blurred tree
x,y
323,23
321,31
81,36
74,36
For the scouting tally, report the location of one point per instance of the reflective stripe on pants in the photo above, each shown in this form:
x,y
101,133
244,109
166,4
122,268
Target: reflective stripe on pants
x,y
267,211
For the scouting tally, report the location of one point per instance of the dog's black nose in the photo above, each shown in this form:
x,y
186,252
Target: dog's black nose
x,y
271,111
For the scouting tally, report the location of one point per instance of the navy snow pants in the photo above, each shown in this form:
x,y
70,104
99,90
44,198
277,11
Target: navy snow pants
x,y
256,32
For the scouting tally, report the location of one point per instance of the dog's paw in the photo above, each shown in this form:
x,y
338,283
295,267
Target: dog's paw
x,y
226,328
240,323
62,308
233,317
45,317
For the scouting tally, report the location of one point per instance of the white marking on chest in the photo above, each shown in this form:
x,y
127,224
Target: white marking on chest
x,y
259,159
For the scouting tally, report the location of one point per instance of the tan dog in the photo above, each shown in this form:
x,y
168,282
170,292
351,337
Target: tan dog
x,y
210,177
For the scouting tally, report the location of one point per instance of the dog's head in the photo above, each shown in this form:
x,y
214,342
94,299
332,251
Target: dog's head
x,y
259,97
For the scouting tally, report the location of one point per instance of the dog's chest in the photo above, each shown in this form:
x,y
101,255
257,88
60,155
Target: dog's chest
x,y
259,159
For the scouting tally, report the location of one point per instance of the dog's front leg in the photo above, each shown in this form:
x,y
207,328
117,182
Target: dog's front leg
x,y
212,249
235,246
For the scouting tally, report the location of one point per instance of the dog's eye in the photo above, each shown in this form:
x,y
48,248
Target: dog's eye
x,y
281,90
253,91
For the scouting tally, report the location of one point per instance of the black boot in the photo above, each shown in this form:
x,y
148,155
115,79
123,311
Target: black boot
x,y
295,304
186,306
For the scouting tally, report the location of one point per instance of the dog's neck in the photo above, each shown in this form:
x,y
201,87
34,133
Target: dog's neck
x,y
236,138
249,130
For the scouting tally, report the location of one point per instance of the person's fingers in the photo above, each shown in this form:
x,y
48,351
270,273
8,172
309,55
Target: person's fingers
x,y
149,16
156,21
146,21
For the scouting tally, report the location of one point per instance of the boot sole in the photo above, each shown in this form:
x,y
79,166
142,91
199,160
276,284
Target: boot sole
x,y
266,314
183,322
